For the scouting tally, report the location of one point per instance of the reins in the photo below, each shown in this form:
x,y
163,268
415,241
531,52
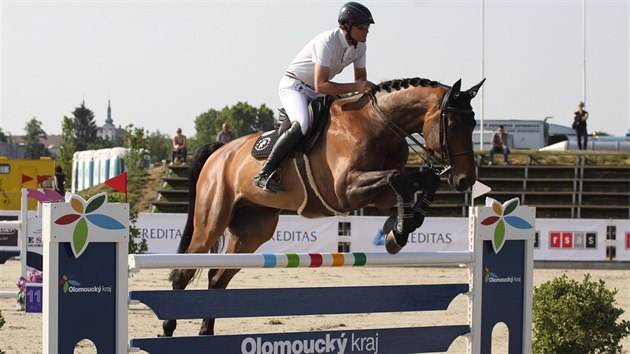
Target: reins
x,y
446,156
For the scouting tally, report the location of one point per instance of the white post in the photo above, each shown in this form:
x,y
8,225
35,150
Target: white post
x,y
23,232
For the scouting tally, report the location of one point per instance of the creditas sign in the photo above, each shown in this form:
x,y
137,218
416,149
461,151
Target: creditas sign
x,y
435,234
293,234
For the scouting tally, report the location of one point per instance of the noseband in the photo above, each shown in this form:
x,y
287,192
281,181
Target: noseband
x,y
446,156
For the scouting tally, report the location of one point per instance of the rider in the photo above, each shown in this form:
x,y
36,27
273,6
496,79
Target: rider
x,y
308,77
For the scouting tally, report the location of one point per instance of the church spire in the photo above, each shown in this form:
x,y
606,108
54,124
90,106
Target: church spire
x,y
109,119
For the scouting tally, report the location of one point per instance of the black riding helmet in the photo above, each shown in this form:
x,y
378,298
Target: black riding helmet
x,y
354,13
351,14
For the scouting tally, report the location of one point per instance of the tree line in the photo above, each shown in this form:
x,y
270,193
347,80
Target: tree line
x,y
79,133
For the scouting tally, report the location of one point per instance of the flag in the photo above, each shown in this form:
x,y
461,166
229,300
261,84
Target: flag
x,y
119,182
41,179
26,178
44,196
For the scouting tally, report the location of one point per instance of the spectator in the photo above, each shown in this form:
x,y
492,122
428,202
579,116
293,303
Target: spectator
x,y
60,181
579,124
499,144
179,147
225,135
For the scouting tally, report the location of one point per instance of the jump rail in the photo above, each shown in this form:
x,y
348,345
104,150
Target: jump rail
x,y
81,300
296,260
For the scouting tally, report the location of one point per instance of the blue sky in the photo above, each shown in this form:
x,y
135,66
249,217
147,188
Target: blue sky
x,y
162,63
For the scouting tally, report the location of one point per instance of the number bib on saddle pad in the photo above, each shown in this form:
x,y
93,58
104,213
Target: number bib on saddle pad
x,y
263,145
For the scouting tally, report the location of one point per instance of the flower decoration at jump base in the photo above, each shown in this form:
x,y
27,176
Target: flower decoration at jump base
x,y
501,218
87,211
21,284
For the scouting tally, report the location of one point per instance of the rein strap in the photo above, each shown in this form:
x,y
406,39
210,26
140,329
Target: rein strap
x,y
403,135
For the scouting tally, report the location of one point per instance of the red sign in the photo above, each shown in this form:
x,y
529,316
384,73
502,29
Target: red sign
x,y
567,240
561,239
554,240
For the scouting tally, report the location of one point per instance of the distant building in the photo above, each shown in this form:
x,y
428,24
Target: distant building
x,y
109,130
522,134
15,149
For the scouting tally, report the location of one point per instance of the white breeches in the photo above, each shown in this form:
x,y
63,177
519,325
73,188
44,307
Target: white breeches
x,y
295,97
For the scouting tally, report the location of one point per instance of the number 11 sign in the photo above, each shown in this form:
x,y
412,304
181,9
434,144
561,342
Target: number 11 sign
x,y
33,297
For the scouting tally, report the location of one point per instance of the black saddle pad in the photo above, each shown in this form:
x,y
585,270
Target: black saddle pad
x,y
262,147
319,109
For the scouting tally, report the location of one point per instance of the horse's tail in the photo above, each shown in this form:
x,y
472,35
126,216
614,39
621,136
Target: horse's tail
x,y
196,164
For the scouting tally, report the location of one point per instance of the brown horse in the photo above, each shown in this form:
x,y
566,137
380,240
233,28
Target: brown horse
x,y
358,161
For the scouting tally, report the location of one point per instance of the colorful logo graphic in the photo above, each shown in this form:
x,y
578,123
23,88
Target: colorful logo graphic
x,y
487,274
87,212
66,281
501,218
379,238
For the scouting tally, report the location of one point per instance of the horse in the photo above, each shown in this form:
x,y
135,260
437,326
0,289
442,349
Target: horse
x,y
357,161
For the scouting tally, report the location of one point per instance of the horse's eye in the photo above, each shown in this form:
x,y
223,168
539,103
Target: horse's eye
x,y
452,127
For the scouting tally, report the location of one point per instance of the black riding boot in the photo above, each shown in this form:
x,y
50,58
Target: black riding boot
x,y
285,145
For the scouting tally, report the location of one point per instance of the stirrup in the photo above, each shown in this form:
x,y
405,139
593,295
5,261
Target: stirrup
x,y
268,183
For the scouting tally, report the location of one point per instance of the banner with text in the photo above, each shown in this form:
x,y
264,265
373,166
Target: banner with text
x,y
10,240
435,234
570,239
293,234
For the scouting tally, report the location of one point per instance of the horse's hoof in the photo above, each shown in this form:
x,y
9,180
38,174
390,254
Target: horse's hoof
x,y
391,245
389,225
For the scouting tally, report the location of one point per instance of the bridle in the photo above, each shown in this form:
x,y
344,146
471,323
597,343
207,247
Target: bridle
x,y
446,156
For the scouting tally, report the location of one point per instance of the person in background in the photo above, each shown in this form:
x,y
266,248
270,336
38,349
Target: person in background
x,y
225,135
579,124
179,146
309,76
60,181
499,144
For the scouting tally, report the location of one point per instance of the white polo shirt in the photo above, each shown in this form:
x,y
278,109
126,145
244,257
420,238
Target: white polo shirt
x,y
330,49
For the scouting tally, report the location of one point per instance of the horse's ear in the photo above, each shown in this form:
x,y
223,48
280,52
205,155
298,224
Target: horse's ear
x,y
457,86
473,90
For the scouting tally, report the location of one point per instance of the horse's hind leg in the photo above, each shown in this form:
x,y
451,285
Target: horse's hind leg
x,y
205,235
180,279
249,229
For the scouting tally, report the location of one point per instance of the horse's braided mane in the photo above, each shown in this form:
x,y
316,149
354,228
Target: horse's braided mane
x,y
399,84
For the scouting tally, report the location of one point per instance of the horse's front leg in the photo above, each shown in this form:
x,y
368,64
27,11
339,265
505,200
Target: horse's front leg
x,y
429,182
405,223
375,187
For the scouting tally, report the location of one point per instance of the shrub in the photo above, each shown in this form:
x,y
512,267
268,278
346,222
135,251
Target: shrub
x,y
573,318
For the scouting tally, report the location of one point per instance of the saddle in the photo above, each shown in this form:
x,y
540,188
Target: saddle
x,y
319,112
313,205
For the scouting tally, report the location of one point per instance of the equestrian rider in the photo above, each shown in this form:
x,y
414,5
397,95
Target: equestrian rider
x,y
308,77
